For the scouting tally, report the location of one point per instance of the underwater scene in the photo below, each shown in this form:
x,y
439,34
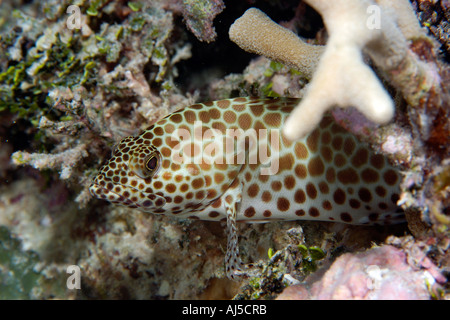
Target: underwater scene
x,y
225,150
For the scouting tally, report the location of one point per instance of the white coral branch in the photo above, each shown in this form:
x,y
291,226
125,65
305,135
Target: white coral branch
x,y
341,77
65,160
256,32
347,83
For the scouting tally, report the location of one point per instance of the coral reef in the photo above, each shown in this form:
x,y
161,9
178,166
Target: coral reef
x,y
342,78
68,95
416,77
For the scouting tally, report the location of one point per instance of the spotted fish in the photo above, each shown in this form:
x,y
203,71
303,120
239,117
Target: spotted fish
x,y
228,160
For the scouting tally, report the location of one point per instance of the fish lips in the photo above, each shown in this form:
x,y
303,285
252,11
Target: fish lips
x,y
146,201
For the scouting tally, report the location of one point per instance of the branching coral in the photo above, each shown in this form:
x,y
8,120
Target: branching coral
x,y
65,160
342,78
256,32
388,35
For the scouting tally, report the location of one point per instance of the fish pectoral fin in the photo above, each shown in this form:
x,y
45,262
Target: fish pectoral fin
x,y
232,197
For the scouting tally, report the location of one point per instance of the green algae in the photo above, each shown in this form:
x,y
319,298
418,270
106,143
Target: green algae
x,y
17,274
61,58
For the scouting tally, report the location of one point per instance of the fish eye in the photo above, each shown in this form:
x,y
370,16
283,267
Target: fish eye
x,y
114,149
144,162
152,163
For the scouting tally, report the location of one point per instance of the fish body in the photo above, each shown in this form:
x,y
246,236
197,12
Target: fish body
x,y
228,160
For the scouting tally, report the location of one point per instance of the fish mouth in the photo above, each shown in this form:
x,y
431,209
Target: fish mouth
x,y
101,192
147,200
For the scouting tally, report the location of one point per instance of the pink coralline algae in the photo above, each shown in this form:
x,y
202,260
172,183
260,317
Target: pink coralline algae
x,y
381,273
